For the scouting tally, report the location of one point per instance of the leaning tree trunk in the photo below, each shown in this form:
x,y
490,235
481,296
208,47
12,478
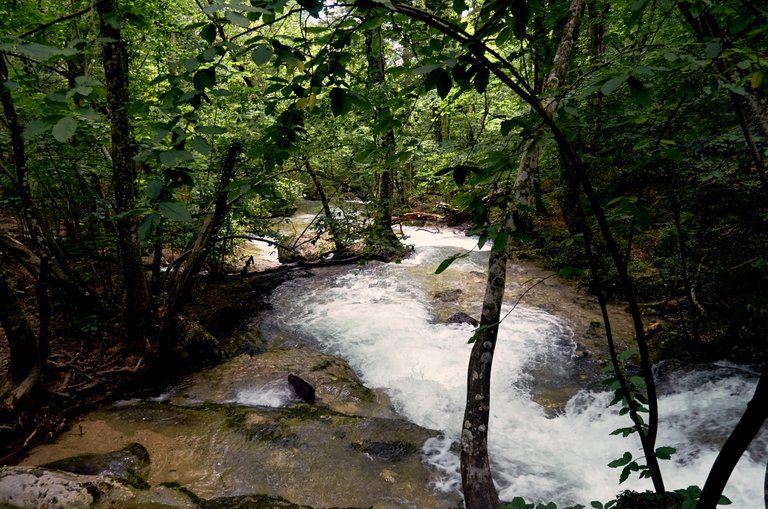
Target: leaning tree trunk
x,y
186,275
750,107
477,482
738,441
39,233
124,177
28,351
332,225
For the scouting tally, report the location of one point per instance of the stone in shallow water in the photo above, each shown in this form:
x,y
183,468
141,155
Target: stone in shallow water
x,y
129,464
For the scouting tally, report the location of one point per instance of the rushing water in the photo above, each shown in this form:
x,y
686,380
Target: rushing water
x,y
384,320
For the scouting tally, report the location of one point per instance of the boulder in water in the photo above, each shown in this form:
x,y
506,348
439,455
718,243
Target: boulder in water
x,y
462,317
302,388
129,464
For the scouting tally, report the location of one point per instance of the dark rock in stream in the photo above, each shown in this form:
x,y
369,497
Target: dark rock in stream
x,y
302,388
462,317
130,464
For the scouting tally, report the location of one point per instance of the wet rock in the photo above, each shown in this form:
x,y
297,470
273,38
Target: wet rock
x,y
448,295
35,487
130,464
251,502
388,451
462,317
302,388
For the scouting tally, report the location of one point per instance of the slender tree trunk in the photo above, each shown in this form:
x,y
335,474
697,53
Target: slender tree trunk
x,y
384,238
738,441
477,481
186,275
526,190
40,234
338,244
751,108
124,176
22,340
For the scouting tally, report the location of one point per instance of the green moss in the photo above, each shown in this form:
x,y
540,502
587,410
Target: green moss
x,y
388,451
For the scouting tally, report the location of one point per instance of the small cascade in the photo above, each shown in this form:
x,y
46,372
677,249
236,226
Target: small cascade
x,y
384,320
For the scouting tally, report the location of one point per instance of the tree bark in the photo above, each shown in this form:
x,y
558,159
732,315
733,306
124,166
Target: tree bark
x,y
526,190
21,337
477,481
738,441
193,263
124,176
383,237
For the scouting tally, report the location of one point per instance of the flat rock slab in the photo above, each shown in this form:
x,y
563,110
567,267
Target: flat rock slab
x,y
349,449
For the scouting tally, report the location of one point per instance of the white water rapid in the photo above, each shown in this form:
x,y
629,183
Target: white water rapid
x,y
382,319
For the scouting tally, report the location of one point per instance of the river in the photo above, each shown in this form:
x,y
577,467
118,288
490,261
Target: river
x,y
550,429
385,319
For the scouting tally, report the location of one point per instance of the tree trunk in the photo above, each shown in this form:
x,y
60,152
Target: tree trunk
x,y
738,441
40,234
124,176
22,340
191,266
476,479
751,108
526,190
384,239
338,244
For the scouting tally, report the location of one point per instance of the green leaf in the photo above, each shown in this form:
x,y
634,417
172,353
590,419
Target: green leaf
x,y
175,211
210,129
626,354
154,190
448,261
208,33
167,158
625,459
204,78
64,129
237,19
262,54
459,6
313,7
640,94
665,453
613,83
444,83
481,80
712,49
339,102
596,504
425,69
200,145
148,225
522,14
